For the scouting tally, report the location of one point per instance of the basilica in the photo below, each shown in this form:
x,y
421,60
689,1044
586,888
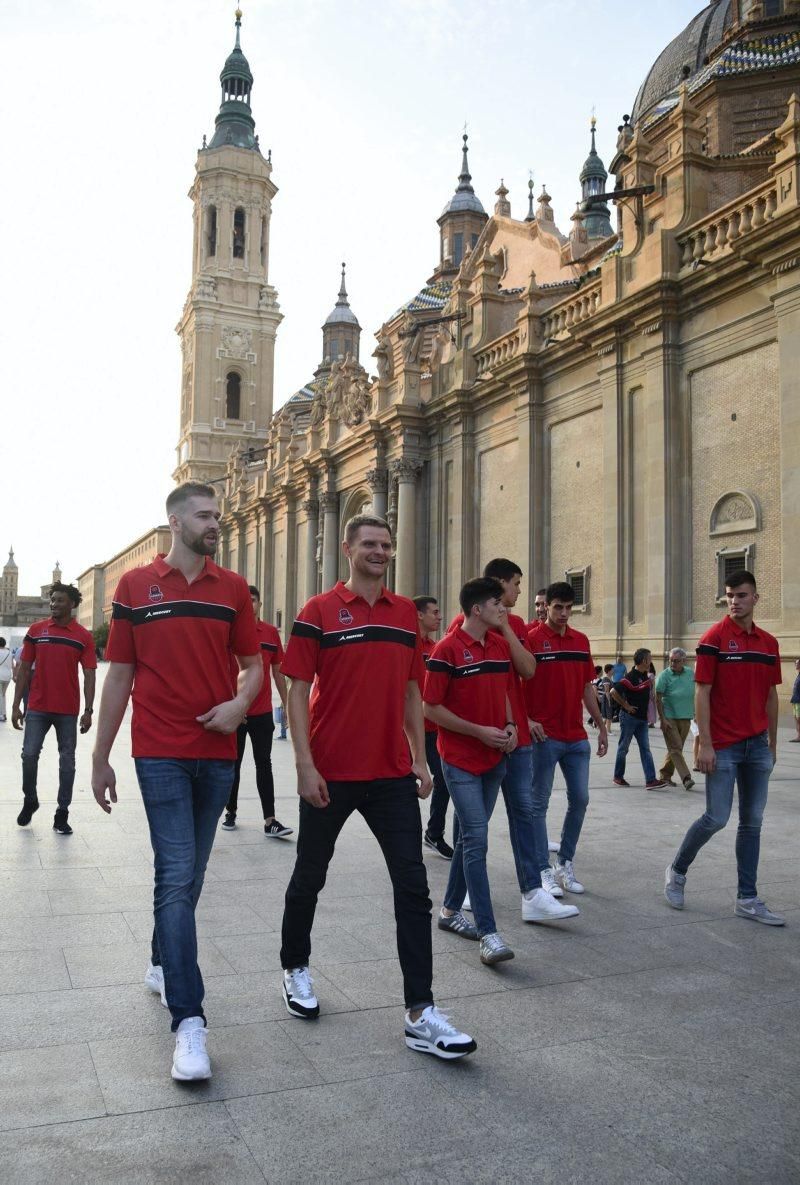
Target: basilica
x,y
614,400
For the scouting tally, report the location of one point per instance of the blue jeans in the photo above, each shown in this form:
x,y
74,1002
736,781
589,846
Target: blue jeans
x,y
630,727
748,764
183,800
573,757
474,796
37,725
440,796
518,796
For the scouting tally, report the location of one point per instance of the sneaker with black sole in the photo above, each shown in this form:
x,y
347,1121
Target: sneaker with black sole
x,y
60,823
229,822
456,923
190,1062
298,993
755,909
29,808
433,1033
495,949
276,830
154,980
440,846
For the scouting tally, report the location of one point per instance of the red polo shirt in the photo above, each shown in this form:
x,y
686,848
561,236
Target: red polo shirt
x,y
426,648
472,680
554,696
58,651
517,693
741,669
181,638
360,658
272,654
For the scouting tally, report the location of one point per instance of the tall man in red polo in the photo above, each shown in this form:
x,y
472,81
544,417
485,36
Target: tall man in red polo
x,y
736,675
360,746
177,624
58,646
556,697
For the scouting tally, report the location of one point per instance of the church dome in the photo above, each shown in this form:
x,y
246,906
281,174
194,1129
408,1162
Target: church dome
x,y
342,314
464,197
684,57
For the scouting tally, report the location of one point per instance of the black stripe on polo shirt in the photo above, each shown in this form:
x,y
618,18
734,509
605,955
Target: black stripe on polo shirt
x,y
562,656
705,648
305,629
166,610
51,639
369,633
751,656
439,666
120,612
269,646
488,667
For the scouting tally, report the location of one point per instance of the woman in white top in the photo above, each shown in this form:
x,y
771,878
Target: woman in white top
x,y
5,676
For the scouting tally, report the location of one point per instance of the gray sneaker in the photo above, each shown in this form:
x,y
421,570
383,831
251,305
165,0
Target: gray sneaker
x,y
494,949
755,909
673,887
458,924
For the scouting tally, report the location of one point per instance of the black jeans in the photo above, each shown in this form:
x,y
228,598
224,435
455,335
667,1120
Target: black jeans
x,y
390,808
260,730
440,796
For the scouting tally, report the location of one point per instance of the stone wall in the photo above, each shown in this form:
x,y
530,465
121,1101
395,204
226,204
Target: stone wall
x,y
576,491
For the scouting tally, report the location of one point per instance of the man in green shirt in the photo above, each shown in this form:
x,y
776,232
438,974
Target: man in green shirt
x,y
675,704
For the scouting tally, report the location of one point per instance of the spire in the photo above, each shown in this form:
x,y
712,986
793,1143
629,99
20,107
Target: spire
x,y
342,290
593,180
11,561
530,217
502,206
341,333
464,197
235,125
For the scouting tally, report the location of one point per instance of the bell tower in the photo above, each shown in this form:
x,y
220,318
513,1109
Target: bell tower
x,y
231,315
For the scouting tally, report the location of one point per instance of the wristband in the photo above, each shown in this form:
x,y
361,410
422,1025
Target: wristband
x,y
511,724
89,710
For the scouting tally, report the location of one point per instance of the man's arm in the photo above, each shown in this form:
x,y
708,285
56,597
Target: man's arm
x,y
772,720
522,660
228,716
707,758
593,708
311,786
438,714
660,709
22,684
512,736
623,703
414,727
116,693
280,683
89,684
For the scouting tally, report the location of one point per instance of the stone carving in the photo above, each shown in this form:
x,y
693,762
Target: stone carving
x,y
337,385
377,480
735,511
205,288
357,397
317,415
237,341
441,340
385,360
405,469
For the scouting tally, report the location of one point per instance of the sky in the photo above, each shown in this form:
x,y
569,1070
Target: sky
x,y
363,104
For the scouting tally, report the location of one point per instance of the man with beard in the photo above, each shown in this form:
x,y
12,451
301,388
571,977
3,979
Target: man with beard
x,y
176,624
360,746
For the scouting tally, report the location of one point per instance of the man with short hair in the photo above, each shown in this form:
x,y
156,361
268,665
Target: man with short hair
x,y
737,673
177,626
556,696
537,903
632,693
360,746
259,726
675,706
58,646
430,620
539,608
618,670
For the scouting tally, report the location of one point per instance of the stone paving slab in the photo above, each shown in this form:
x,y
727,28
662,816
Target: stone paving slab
x,y
631,1044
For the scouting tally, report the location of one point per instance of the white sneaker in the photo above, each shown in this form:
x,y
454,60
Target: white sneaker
x,y
154,979
466,905
552,845
298,994
565,875
539,906
190,1061
433,1033
550,883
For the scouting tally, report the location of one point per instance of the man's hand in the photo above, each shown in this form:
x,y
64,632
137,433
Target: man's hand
x,y
494,738
17,716
223,718
602,741
424,779
86,721
312,787
773,748
104,778
512,739
537,731
706,758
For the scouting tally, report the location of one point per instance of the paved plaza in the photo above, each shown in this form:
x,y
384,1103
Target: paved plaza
x,y
633,1044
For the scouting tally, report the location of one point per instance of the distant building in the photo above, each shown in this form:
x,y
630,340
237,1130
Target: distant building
x,y
98,583
16,610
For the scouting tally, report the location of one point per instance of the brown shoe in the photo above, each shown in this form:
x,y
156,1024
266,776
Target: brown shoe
x,y
621,782
658,784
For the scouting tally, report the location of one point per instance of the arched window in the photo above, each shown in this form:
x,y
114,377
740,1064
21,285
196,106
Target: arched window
x,y
233,396
211,230
238,233
263,240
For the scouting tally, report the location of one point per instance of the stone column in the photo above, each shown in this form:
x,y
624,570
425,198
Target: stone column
x,y
330,540
311,508
378,483
406,471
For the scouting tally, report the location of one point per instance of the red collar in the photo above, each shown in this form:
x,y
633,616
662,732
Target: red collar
x,y
163,569
348,596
